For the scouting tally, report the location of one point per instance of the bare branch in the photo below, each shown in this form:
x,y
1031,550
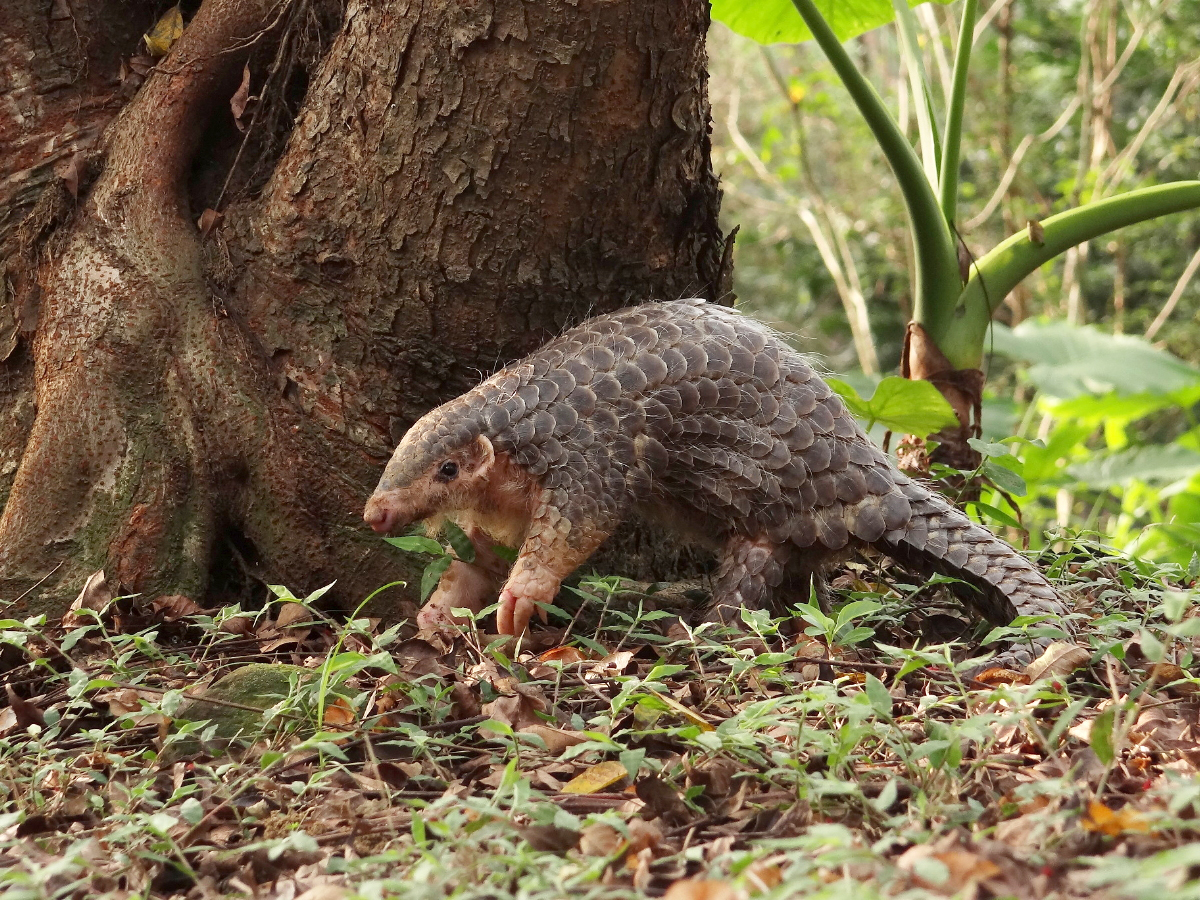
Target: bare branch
x,y
1176,294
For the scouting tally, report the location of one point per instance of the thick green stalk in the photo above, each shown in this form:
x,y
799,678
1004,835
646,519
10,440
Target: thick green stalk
x,y
952,138
936,291
1007,264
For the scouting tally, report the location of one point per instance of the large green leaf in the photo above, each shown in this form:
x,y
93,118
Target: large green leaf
x,y
1070,361
777,22
910,407
1163,463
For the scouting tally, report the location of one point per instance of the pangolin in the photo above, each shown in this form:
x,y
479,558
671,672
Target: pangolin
x,y
692,414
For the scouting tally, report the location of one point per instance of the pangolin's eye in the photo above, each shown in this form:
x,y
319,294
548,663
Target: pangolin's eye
x,y
448,470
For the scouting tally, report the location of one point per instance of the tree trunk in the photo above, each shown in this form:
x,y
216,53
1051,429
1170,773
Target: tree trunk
x,y
460,183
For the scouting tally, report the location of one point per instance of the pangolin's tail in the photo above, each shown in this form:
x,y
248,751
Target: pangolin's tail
x,y
998,581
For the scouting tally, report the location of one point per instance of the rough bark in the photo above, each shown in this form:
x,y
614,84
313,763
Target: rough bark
x,y
460,183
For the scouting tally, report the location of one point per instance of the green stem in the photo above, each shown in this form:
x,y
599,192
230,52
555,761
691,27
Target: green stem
x,y
937,283
918,84
1007,264
952,139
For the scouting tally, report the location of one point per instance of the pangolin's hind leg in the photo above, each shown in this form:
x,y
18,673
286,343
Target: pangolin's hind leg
x,y
750,573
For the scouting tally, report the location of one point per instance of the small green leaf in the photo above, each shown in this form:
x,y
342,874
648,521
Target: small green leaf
x,y
1152,647
463,548
1005,478
995,514
900,404
632,761
433,574
1102,736
415,543
881,700
989,449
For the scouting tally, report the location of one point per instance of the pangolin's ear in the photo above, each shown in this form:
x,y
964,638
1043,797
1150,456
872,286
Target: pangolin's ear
x,y
483,455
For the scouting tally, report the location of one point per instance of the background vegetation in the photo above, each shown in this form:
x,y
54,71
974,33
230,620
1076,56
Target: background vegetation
x,y
1067,103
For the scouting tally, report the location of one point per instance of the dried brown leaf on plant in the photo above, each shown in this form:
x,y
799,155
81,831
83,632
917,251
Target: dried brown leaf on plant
x,y
290,615
96,595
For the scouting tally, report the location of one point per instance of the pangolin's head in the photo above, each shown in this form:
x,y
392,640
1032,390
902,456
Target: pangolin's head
x,y
442,462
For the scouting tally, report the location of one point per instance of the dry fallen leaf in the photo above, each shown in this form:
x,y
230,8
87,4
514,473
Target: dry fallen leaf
x,y
600,839
338,713
946,866
1103,820
26,713
175,606
562,654
549,837
701,889
209,219
556,739
237,103
518,711
597,778
165,33
997,675
291,613
96,596
70,170
1060,658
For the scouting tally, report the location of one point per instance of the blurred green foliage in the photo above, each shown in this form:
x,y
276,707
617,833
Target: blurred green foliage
x,y
1067,103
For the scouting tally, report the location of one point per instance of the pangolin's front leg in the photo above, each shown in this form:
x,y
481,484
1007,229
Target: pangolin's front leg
x,y
554,548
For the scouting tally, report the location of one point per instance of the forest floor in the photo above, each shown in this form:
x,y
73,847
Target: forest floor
x,y
645,759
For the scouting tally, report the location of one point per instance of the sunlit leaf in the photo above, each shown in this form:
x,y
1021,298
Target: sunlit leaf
x,y
1159,463
776,21
1005,479
900,404
1071,361
877,693
1102,735
597,778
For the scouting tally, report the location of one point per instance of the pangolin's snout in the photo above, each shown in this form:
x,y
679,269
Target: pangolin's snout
x,y
381,517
